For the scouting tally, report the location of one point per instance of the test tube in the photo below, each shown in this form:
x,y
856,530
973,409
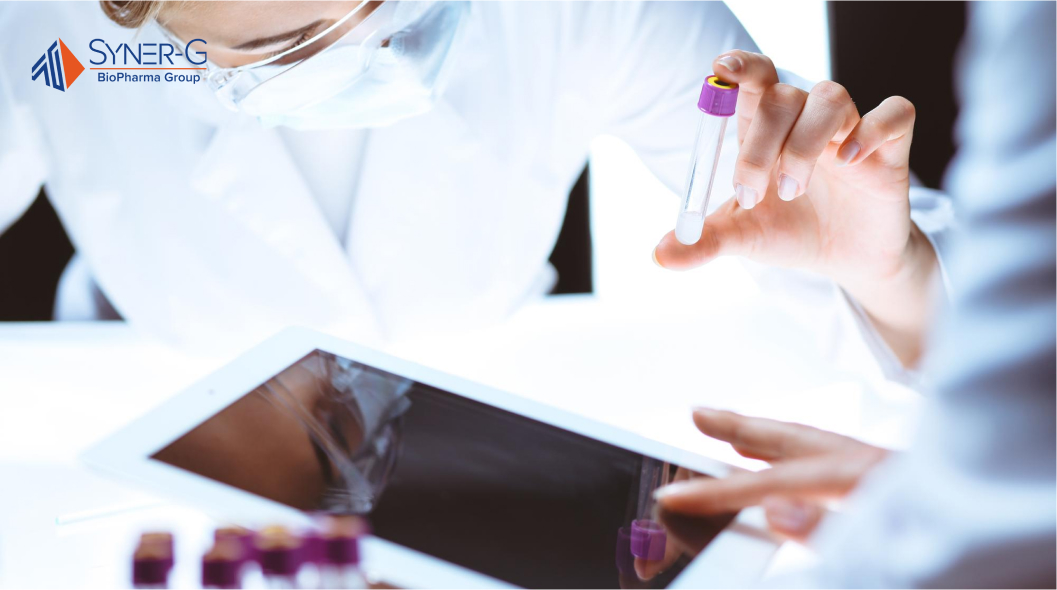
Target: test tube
x,y
648,539
717,102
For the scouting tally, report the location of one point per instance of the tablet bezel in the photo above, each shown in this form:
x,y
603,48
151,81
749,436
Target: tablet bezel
x,y
127,454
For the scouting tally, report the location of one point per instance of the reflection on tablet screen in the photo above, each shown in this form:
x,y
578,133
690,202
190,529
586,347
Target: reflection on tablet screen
x,y
492,491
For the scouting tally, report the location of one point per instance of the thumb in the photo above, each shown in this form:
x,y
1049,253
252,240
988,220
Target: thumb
x,y
791,517
723,234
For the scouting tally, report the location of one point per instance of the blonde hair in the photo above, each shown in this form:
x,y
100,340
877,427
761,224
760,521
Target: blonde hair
x,y
131,14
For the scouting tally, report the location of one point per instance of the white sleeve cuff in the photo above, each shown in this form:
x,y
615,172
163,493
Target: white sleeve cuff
x,y
933,213
891,367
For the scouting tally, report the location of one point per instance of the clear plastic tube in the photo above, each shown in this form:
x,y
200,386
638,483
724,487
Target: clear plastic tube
x,y
717,103
648,538
699,179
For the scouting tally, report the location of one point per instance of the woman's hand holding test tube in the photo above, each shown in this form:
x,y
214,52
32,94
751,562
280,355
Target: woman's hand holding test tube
x,y
821,188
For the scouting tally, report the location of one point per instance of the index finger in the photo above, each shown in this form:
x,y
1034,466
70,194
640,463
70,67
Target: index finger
x,y
814,478
769,440
753,73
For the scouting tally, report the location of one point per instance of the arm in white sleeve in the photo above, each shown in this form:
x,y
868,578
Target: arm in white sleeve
x,y
22,165
974,502
656,80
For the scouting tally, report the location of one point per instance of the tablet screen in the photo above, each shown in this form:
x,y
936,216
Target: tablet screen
x,y
505,495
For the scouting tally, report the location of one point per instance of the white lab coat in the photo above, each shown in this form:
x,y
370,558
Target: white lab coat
x,y
199,227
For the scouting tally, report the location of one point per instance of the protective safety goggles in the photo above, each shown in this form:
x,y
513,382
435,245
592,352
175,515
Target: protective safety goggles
x,y
336,56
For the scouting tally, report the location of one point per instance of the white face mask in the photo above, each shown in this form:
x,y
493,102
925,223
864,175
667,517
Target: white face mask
x,y
401,80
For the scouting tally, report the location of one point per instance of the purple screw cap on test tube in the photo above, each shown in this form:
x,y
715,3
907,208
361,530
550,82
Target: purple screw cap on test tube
x,y
342,539
281,561
312,547
242,536
151,564
162,538
222,565
718,98
716,103
648,540
149,573
281,555
341,552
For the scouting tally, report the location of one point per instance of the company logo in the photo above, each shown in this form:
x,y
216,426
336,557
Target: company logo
x,y
58,66
147,56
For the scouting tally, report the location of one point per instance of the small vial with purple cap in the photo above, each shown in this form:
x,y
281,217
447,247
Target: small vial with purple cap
x,y
163,538
222,564
340,567
241,536
249,570
152,561
281,555
717,102
312,561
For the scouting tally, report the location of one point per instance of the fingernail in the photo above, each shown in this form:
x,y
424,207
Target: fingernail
x,y
746,196
787,515
671,490
847,153
787,187
642,569
655,261
730,62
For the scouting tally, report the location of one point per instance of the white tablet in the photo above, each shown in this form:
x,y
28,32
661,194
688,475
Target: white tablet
x,y
464,486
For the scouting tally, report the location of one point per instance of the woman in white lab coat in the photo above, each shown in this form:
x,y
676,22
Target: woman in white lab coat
x,y
205,225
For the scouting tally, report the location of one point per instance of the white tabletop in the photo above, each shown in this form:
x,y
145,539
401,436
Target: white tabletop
x,y
64,386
